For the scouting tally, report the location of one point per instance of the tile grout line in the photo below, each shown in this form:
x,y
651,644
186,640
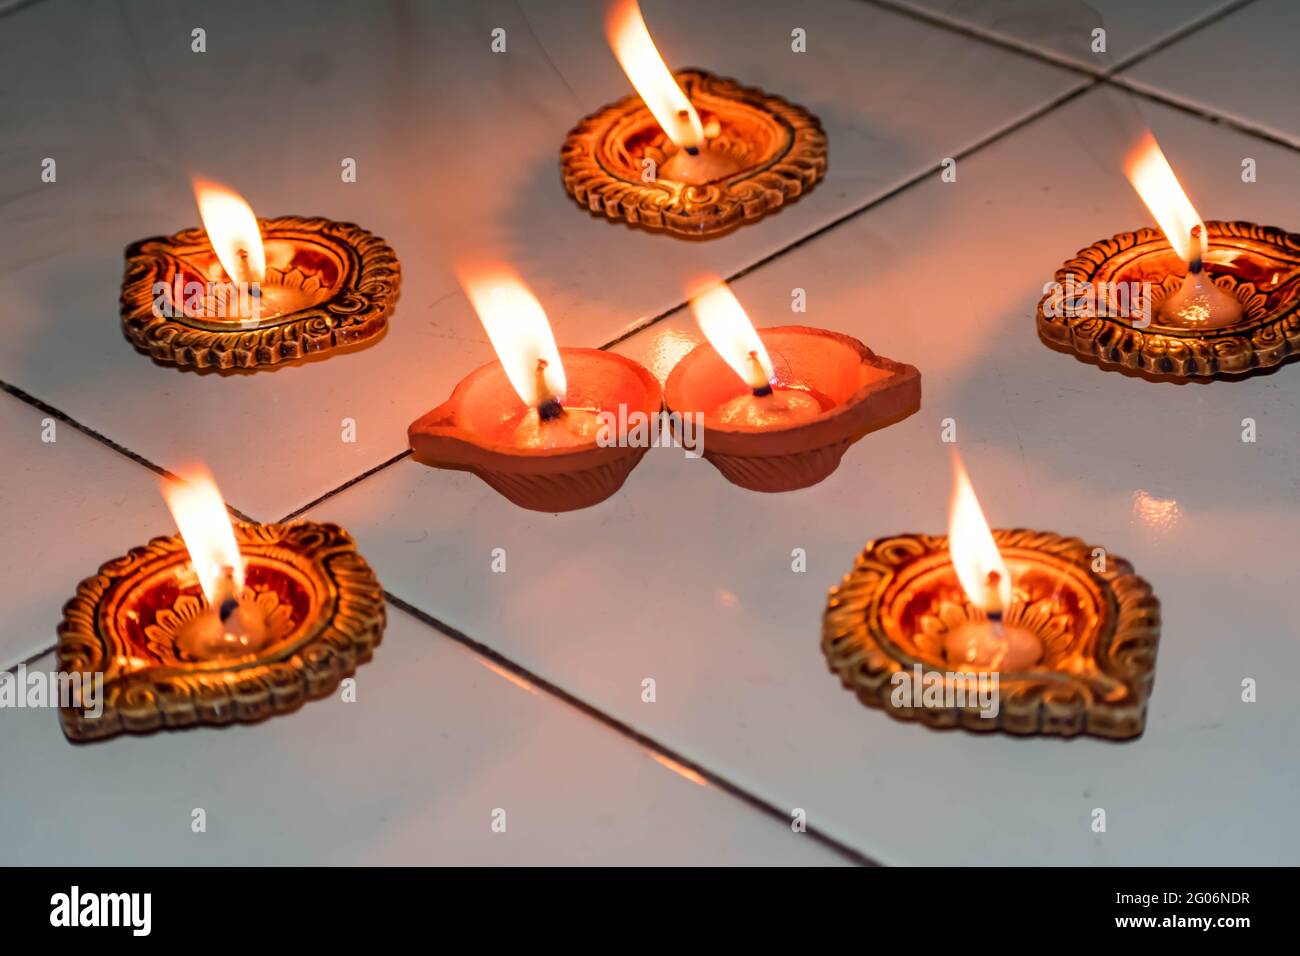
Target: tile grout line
x,y
86,430
611,722
1214,16
13,668
984,35
298,512
1218,119
876,201
1093,78
483,650
1051,57
627,333
626,730
67,419
641,326
1111,76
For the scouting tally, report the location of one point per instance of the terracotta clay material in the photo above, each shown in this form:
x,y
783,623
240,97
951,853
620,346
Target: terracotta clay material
x,y
760,154
344,282
1259,266
458,433
865,391
1098,625
322,606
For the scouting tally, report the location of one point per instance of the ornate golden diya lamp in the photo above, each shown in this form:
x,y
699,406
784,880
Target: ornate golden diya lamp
x,y
780,406
1223,296
222,623
247,293
1063,632
695,155
547,427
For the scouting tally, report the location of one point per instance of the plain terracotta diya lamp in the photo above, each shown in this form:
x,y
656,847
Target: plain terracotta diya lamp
x,y
781,405
1216,298
248,293
547,427
694,155
222,623
1064,633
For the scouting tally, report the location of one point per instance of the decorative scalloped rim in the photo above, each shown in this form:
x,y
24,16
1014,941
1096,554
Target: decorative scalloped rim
x,y
1272,338
859,651
697,212
178,694
357,311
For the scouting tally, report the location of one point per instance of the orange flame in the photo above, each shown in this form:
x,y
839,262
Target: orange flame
x,y
516,326
1154,179
233,231
205,528
728,329
636,53
970,542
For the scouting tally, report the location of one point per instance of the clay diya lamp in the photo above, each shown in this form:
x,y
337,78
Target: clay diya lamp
x,y
248,293
219,624
780,406
1192,300
551,429
693,155
1026,632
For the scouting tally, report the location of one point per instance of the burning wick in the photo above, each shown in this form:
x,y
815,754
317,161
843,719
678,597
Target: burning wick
x,y
229,603
521,336
685,117
993,605
761,391
690,161
987,644
728,329
1198,303
1202,247
549,408
231,624
236,240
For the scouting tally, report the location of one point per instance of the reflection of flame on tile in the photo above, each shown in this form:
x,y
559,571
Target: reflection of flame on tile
x,y
1158,514
684,772
513,678
727,598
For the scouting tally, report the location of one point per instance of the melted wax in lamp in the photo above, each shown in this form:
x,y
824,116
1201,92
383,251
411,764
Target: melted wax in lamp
x,y
724,323
240,252
229,627
990,645
231,624
1199,303
550,424
768,406
694,162
266,301
699,164
982,644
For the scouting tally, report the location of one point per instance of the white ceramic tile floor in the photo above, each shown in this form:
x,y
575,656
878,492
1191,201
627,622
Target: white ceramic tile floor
x,y
1243,67
411,772
685,579
1064,29
69,504
679,577
417,97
